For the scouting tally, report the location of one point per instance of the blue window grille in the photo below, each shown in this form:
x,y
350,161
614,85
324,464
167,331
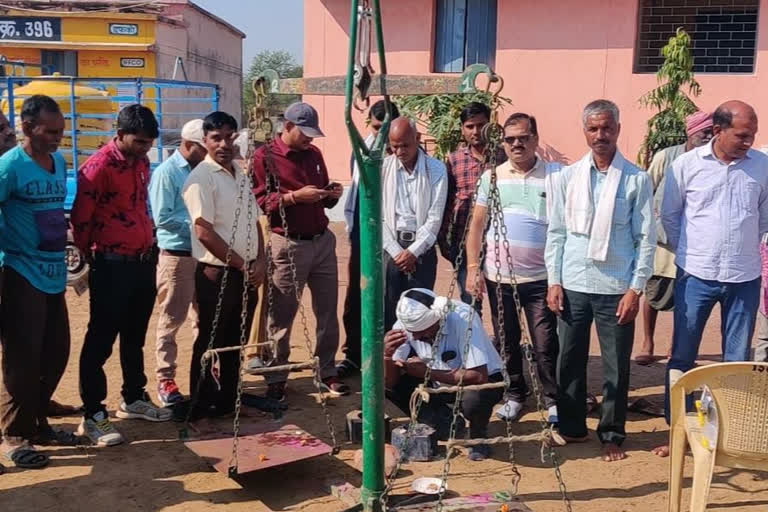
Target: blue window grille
x,y
465,34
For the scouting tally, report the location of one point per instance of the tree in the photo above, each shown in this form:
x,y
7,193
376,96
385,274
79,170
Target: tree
x,y
286,67
439,114
667,127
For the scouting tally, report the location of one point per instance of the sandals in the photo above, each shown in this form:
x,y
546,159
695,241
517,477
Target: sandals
x,y
644,406
27,457
647,359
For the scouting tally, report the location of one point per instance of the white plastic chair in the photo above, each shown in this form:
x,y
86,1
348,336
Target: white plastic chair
x,y
740,392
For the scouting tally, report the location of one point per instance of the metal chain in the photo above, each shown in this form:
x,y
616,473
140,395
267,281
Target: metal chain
x,y
216,317
526,344
245,184
493,135
273,186
408,438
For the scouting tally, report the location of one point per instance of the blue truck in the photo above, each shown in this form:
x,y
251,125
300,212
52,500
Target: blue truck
x,y
90,107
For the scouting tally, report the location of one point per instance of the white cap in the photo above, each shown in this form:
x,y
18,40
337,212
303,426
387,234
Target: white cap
x,y
193,131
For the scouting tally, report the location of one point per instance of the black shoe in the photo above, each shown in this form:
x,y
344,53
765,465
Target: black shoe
x,y
276,391
180,412
49,436
347,368
264,404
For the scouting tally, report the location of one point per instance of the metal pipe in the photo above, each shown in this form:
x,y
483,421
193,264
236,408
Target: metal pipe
x,y
159,116
371,276
11,103
73,125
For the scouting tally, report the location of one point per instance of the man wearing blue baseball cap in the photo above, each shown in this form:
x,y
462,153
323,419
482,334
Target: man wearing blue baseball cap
x,y
304,193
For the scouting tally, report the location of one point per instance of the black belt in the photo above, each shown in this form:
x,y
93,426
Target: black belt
x,y
178,254
143,257
307,238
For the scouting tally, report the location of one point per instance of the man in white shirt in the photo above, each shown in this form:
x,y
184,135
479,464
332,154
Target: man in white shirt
x,y
413,344
715,211
659,291
214,191
414,188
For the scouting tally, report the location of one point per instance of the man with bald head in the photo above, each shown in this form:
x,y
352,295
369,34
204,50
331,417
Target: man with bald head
x,y
415,187
714,211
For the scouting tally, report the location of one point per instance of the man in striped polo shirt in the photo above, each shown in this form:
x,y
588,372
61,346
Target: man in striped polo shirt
x,y
522,199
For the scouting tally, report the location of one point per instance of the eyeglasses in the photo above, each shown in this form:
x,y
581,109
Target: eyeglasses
x,y
522,139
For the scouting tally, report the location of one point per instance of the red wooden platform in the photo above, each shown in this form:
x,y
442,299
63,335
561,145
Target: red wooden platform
x,y
260,447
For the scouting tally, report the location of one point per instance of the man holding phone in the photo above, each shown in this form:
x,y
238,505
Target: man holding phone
x,y
304,193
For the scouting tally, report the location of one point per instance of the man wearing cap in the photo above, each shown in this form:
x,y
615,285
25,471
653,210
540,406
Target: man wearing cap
x,y
304,193
659,291
413,344
175,266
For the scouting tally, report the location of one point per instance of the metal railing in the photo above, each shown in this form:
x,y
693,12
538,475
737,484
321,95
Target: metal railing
x,y
174,103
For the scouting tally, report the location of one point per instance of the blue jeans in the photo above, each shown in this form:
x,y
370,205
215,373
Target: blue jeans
x,y
694,300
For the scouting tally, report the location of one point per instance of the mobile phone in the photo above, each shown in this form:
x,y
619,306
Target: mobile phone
x,y
332,185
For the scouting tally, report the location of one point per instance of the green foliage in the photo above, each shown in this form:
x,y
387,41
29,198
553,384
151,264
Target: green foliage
x,y
670,100
286,67
439,114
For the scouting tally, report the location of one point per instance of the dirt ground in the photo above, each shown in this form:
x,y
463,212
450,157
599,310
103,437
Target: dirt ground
x,y
153,471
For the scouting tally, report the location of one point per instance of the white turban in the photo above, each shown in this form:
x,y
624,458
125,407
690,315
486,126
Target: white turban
x,y
415,311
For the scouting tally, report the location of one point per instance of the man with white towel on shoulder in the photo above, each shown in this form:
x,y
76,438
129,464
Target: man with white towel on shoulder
x,y
599,255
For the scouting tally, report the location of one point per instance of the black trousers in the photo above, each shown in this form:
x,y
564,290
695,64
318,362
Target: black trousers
x,y
122,296
543,326
208,280
351,346
396,282
580,310
476,406
34,336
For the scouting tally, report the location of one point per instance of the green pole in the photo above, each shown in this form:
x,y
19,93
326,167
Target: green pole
x,y
371,275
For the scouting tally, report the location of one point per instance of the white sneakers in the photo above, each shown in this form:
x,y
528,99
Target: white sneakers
x,y
143,410
100,430
510,410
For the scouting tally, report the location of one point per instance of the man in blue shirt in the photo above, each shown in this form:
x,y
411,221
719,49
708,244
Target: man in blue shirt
x,y
599,255
176,266
34,324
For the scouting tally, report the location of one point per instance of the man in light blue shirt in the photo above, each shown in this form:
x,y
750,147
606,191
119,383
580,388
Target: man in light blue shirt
x,y
599,255
176,266
34,323
714,211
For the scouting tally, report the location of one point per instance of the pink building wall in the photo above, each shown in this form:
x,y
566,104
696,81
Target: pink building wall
x,y
554,55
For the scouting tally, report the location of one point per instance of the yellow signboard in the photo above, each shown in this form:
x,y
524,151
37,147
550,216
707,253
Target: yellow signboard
x,y
100,63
